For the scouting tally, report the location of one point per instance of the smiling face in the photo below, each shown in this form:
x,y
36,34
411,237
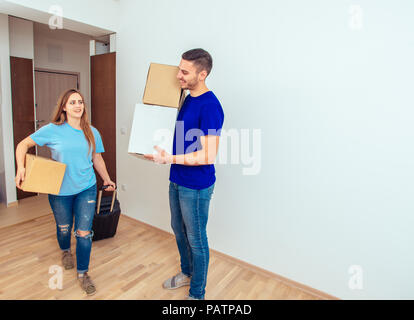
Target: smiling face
x,y
190,77
74,107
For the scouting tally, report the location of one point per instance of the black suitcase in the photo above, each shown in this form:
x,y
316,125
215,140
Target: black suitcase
x,y
105,221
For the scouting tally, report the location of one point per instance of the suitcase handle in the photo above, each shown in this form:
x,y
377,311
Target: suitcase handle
x,y
98,207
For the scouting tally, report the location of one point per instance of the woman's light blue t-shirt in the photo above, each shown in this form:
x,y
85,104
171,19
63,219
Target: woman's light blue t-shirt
x,y
69,146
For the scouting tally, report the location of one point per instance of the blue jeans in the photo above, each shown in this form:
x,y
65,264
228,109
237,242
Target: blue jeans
x,y
189,215
82,207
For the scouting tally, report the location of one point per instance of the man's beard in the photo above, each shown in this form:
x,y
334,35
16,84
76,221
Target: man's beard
x,y
190,85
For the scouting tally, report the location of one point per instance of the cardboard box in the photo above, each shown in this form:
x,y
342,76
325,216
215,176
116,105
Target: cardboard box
x,y
162,87
43,175
151,126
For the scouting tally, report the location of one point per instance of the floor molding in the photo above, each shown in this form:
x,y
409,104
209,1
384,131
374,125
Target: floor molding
x,y
297,285
13,204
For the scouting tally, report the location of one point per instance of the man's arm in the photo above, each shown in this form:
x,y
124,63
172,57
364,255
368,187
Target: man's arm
x,y
207,155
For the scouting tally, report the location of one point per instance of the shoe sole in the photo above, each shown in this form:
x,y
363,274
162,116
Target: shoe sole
x,y
176,287
88,294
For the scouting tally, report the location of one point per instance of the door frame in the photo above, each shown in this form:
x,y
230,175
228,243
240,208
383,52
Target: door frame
x,y
16,94
73,73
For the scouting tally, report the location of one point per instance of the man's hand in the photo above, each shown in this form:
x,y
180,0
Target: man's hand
x,y
161,156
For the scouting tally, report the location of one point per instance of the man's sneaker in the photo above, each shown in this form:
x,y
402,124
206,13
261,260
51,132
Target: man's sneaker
x,y
177,281
67,260
87,284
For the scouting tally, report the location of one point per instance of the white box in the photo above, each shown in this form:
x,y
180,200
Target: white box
x,y
151,126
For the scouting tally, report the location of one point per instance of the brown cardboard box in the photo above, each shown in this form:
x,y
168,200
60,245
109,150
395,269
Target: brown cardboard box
x,y
163,88
43,175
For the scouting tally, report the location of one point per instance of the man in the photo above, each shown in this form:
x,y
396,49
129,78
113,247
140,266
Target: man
x,y
192,173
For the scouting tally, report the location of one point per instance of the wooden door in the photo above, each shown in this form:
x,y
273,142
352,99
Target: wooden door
x,y
103,107
23,105
49,87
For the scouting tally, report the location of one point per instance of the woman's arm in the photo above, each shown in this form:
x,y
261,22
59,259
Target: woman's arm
x,y
99,164
21,151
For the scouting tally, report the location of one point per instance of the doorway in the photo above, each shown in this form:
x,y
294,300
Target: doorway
x,y
103,107
50,84
21,72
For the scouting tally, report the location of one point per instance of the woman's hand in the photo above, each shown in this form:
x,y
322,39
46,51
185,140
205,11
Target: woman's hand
x,y
21,151
20,175
111,184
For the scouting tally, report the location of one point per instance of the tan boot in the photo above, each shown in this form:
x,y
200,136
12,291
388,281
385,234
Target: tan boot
x,y
86,284
177,281
67,260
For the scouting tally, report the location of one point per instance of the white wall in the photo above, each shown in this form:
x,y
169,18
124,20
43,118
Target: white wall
x,y
70,52
101,15
102,48
334,106
6,110
21,38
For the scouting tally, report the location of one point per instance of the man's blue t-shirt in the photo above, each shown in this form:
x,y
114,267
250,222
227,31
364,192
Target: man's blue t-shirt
x,y
69,145
198,116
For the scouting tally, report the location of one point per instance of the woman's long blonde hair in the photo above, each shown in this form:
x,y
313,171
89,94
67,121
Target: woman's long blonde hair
x,y
59,116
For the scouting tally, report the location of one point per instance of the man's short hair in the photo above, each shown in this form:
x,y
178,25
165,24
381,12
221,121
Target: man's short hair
x,y
200,58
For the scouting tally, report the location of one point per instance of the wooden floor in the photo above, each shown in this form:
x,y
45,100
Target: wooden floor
x,y
27,209
132,265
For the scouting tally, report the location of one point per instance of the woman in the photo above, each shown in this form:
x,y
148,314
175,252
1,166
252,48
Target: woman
x,y
76,143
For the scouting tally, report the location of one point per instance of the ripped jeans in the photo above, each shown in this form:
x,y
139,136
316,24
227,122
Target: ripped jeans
x,y
82,207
